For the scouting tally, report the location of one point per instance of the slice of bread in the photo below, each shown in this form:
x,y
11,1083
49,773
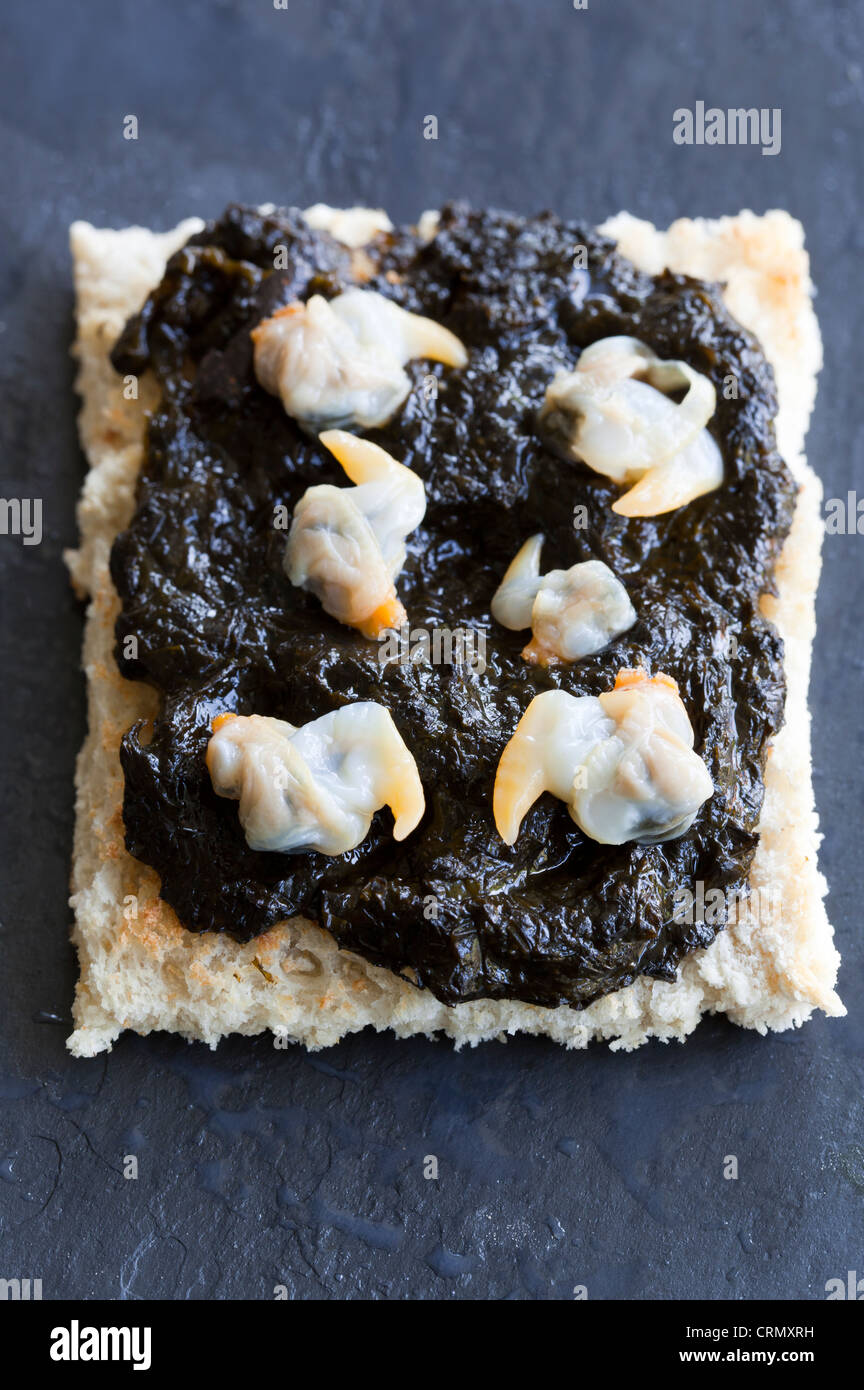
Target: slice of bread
x,y
141,970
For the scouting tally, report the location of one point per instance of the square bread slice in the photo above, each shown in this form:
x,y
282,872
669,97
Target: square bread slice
x,y
140,969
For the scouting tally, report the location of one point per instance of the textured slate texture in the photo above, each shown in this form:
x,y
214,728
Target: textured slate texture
x,y
259,1167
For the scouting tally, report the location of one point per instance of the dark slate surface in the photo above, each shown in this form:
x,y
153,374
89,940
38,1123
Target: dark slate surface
x,y
260,1167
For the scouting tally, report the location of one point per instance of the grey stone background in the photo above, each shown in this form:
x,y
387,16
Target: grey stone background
x,y
260,1167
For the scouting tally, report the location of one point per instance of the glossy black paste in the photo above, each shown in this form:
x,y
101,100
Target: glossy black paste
x,y
557,918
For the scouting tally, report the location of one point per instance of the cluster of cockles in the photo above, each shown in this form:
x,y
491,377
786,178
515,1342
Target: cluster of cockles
x,y
623,762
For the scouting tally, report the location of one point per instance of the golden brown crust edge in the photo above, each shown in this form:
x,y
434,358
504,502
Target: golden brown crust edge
x,y
139,968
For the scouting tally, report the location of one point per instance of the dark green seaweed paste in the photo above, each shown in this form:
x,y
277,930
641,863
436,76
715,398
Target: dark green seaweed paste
x,y
557,918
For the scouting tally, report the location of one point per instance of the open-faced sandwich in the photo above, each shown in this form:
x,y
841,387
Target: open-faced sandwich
x,y
451,605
